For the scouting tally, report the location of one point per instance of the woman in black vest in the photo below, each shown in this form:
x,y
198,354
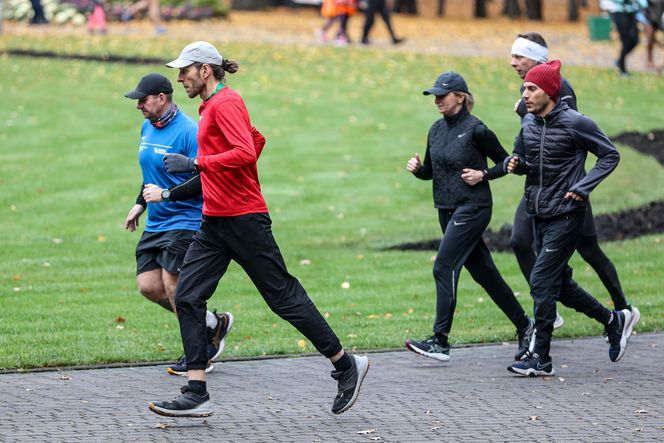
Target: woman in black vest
x,y
456,160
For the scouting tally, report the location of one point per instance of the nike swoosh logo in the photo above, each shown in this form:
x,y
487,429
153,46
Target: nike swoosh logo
x,y
456,223
550,250
542,367
444,84
461,135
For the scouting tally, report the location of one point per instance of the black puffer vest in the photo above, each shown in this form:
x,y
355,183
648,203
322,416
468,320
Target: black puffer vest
x,y
451,150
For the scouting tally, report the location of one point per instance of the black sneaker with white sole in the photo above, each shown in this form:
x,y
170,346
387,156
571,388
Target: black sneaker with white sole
x,y
617,332
434,347
349,383
217,336
532,366
188,404
524,338
636,316
180,366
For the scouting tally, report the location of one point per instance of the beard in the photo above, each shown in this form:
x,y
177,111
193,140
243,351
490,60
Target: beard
x,y
196,88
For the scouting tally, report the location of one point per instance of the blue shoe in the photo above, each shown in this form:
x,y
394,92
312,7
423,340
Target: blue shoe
x,y
217,336
618,332
180,367
532,366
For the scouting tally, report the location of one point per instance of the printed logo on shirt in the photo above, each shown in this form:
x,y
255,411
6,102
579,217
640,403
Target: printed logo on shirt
x,y
550,250
456,223
461,135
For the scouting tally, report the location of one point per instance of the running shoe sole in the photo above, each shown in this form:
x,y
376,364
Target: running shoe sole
x,y
636,316
362,369
530,372
202,410
437,355
210,368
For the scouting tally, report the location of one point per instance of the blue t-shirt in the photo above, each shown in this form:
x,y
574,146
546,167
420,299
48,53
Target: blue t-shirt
x,y
178,137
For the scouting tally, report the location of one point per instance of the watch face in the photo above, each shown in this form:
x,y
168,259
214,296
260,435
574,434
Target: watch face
x,y
165,194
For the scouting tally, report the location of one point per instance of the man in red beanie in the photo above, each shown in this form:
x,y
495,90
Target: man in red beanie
x,y
551,151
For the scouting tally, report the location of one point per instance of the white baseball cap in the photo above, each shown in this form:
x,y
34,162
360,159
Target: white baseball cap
x,y
197,52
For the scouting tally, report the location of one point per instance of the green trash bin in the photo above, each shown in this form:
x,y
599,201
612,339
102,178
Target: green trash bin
x,y
599,27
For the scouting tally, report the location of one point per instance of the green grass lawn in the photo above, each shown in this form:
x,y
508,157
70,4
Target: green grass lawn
x,y
340,126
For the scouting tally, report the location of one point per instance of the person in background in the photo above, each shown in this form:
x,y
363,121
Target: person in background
x,y
623,13
373,7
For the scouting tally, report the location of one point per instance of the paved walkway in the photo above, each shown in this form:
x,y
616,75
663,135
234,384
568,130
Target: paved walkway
x,y
405,398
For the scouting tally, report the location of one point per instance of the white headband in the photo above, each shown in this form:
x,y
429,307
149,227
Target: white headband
x,y
530,49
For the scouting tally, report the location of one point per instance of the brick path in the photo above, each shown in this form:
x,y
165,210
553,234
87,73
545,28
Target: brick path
x,y
405,398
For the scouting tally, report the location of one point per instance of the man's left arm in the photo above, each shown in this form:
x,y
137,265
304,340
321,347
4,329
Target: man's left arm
x,y
588,135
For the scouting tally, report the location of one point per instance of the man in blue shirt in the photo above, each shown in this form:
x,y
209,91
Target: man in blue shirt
x,y
173,202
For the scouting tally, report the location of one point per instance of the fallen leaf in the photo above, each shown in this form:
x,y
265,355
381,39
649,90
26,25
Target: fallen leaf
x,y
435,428
162,425
101,238
367,431
608,379
326,315
345,285
64,377
119,320
586,394
269,397
119,327
305,262
17,289
638,429
376,438
57,241
301,344
428,412
16,278
562,380
563,366
641,411
46,264
533,418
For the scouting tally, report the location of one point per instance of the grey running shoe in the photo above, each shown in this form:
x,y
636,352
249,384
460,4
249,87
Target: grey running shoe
x,y
433,347
524,338
532,366
188,404
217,336
349,383
617,333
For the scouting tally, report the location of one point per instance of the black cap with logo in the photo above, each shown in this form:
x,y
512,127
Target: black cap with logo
x,y
151,84
448,82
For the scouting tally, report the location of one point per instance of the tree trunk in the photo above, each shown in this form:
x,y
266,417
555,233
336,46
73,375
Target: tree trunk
x,y
572,10
480,8
441,8
534,9
511,9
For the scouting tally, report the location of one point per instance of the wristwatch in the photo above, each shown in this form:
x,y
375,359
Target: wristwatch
x,y
165,194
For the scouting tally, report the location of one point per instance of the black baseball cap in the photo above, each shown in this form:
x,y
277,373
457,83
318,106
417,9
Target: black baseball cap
x,y
448,82
151,84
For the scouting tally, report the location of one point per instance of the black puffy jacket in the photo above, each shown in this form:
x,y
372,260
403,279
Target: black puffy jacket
x,y
552,153
458,142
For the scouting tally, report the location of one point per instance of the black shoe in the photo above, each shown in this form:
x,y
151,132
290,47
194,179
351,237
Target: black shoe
x,y
532,366
524,338
398,40
180,366
349,385
617,332
434,347
216,336
188,404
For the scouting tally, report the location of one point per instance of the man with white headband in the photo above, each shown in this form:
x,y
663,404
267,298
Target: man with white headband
x,y
530,50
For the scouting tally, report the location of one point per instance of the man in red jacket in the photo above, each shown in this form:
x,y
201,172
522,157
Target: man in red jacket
x,y
236,226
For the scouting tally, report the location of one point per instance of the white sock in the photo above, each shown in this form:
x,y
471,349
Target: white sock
x,y
211,320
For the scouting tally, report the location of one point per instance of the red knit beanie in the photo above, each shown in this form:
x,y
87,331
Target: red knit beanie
x,y
547,77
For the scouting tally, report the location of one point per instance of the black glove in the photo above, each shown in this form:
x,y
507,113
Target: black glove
x,y
179,163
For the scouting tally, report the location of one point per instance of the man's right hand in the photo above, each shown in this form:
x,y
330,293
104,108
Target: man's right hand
x,y
131,222
512,164
414,164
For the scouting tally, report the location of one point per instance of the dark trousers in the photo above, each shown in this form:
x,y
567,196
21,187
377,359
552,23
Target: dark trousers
x,y
523,243
626,24
247,240
462,245
375,6
551,277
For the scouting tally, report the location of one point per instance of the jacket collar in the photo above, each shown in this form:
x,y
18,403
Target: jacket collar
x,y
560,107
456,118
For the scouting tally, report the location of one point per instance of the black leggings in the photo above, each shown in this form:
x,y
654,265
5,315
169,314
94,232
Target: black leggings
x,y
379,6
462,246
629,35
522,242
